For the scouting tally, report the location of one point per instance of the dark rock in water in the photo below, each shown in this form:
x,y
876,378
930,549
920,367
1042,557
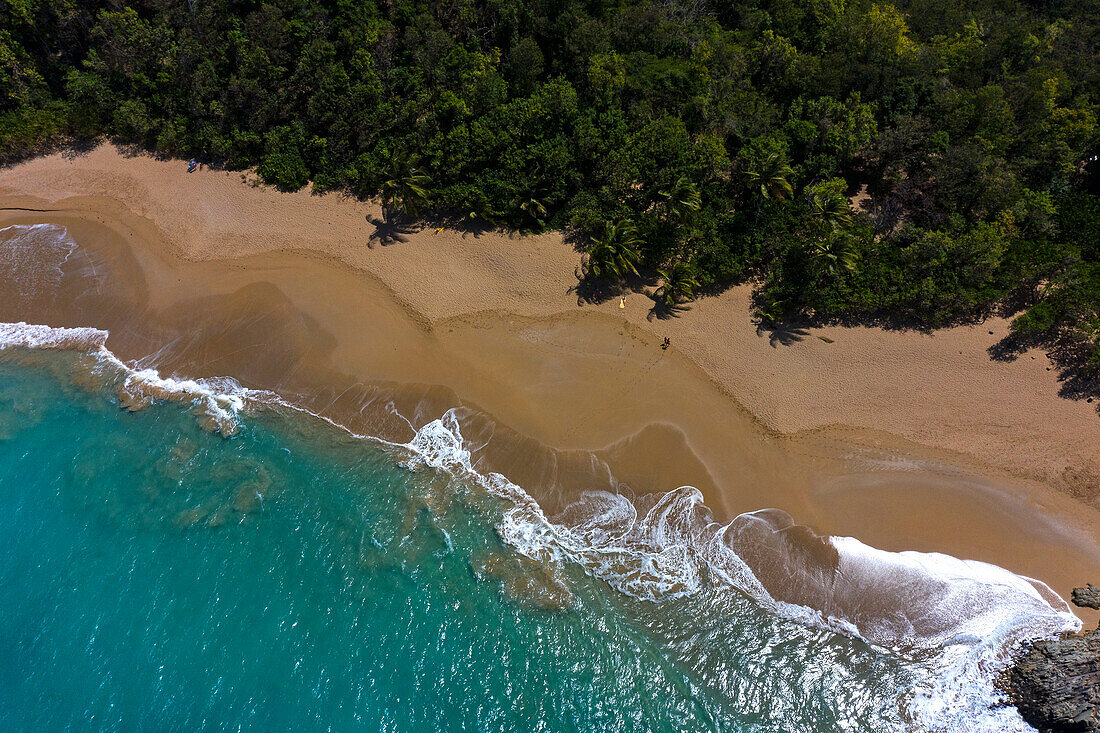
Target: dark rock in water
x,y
1056,684
1087,597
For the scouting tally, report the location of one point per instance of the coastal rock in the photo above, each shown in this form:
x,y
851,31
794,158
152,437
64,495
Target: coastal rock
x,y
1087,597
1056,683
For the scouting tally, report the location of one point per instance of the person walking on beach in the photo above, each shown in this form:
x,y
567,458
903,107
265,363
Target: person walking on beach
x,y
192,165
622,301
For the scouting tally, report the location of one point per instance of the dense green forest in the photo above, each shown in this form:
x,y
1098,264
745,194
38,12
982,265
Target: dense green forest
x,y
690,143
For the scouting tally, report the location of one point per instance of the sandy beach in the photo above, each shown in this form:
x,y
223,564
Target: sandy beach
x,y
905,440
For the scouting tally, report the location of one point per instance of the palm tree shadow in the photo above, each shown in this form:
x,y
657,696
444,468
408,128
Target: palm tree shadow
x,y
589,292
475,229
390,230
663,311
782,334
593,291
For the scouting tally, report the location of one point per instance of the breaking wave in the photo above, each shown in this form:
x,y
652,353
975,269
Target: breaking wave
x,y
956,622
216,401
962,619
32,256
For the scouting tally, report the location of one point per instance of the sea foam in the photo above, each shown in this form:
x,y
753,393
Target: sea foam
x,y
32,255
960,619
217,401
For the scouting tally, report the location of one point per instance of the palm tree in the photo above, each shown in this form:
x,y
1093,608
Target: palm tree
x,y
406,185
773,311
536,210
681,199
770,176
482,211
680,284
831,207
614,255
833,254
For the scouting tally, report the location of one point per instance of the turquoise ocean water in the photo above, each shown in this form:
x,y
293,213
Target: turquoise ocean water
x,y
157,576
283,574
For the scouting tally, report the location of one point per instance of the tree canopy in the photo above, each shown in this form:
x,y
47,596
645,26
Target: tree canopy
x,y
715,140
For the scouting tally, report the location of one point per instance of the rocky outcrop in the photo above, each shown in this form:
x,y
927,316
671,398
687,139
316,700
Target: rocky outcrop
x,y
1056,684
1087,597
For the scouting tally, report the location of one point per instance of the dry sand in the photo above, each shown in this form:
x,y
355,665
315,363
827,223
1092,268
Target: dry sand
x,y
905,440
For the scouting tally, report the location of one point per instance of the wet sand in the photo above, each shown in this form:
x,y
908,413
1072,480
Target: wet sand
x,y
906,441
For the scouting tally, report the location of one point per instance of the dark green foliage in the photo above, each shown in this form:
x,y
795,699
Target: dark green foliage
x,y
678,284
283,164
615,254
1069,302
405,185
730,135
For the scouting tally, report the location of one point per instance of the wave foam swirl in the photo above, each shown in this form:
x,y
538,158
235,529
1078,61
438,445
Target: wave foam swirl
x,y
961,619
216,401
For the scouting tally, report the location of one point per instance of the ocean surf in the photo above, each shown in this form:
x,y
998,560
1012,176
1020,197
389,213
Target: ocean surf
x,y
194,554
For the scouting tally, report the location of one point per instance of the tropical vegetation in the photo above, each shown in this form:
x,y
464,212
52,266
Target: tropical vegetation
x,y
712,141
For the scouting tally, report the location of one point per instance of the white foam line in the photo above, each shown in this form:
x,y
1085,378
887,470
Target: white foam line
x,y
30,336
981,615
670,551
969,651
220,399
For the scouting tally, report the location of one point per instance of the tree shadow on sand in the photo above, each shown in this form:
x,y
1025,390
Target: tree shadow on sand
x,y
79,148
782,334
70,149
593,291
1079,379
662,311
390,229
588,292
475,229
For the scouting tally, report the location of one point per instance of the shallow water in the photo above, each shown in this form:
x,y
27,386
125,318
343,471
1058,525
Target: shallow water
x,y
156,575
192,554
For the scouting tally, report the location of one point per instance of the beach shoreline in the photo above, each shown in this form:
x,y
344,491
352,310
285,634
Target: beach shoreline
x,y
904,440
